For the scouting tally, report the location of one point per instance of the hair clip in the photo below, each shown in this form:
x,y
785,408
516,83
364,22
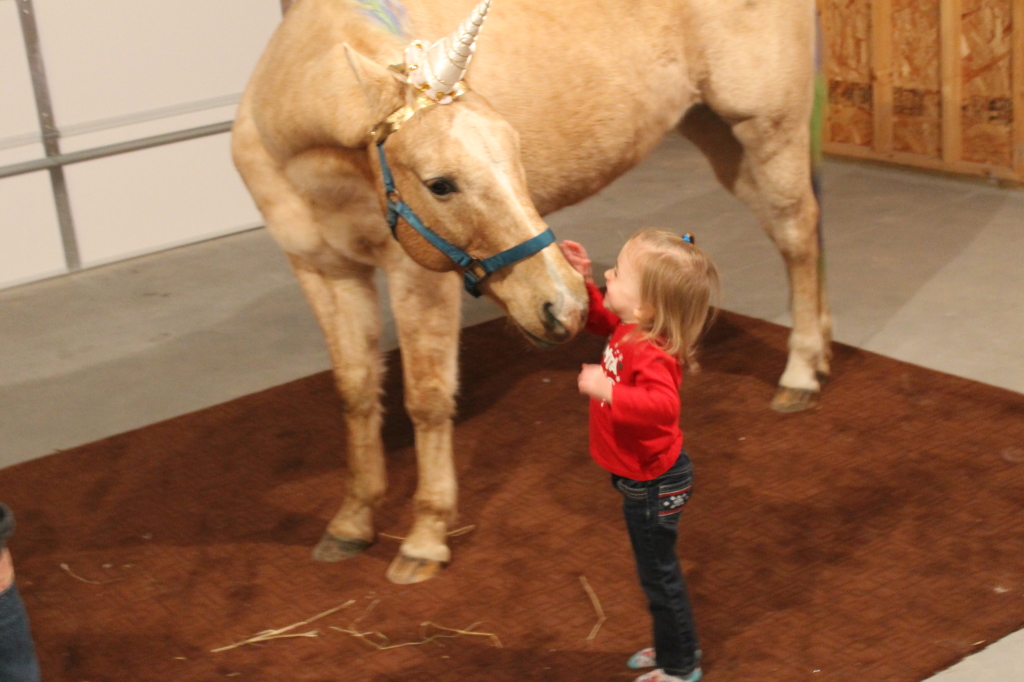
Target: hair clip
x,y
688,238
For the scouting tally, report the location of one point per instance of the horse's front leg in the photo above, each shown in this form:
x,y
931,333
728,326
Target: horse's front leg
x,y
426,307
345,303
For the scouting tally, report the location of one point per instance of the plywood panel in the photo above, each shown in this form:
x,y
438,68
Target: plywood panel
x,y
987,102
927,162
936,84
847,62
915,77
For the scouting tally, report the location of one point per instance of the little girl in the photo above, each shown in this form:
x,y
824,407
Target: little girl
x,y
659,295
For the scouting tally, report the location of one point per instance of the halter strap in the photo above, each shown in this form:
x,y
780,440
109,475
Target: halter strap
x,y
470,279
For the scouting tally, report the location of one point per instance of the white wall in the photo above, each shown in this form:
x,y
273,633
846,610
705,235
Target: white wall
x,y
119,70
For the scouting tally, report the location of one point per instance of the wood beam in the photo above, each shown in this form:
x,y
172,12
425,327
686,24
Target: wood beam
x,y
881,73
1017,65
951,35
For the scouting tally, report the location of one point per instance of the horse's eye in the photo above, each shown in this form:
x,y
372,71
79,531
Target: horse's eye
x,y
442,186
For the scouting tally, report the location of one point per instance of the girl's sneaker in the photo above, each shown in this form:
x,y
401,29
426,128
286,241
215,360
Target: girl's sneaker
x,y
660,675
642,659
645,658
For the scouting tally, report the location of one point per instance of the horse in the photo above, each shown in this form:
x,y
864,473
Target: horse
x,y
367,141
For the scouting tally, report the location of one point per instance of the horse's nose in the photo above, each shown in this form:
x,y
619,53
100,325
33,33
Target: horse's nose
x,y
553,325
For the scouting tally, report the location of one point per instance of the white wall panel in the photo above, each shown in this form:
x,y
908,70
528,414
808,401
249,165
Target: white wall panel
x,y
30,246
31,151
117,71
108,59
19,123
157,198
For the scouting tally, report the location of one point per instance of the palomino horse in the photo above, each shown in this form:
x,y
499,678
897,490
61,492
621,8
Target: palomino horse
x,y
562,98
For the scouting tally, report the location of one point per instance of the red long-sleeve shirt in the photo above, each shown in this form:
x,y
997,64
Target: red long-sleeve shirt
x,y
637,435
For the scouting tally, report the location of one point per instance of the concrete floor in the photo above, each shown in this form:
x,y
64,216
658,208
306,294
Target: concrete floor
x,y
922,268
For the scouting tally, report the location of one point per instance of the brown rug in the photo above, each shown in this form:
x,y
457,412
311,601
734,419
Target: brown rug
x,y
880,537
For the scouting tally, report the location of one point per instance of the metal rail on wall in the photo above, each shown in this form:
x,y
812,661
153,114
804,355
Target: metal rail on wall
x,y
51,136
55,161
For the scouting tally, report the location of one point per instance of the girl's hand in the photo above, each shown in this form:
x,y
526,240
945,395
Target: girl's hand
x,y
577,257
593,382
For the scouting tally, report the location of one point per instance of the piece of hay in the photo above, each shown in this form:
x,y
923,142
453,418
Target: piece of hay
x,y
281,632
67,569
601,618
384,642
452,534
468,631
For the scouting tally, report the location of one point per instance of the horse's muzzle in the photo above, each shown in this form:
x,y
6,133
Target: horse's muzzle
x,y
553,326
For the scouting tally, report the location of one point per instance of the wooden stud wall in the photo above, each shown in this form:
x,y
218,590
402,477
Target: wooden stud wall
x,y
936,84
917,77
846,25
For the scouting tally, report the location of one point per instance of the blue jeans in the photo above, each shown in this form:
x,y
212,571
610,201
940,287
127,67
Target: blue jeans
x,y
652,510
17,654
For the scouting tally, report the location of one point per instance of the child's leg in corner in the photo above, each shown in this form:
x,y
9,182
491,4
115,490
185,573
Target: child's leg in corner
x,y
17,653
652,510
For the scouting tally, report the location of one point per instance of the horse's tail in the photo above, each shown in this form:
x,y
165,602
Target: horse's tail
x,y
817,132
817,155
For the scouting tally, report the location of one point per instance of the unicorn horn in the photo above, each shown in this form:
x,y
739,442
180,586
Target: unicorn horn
x,y
437,69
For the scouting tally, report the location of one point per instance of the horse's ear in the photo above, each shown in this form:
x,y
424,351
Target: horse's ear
x,y
383,89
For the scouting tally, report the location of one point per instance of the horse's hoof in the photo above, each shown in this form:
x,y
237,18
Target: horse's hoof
x,y
331,548
794,399
405,570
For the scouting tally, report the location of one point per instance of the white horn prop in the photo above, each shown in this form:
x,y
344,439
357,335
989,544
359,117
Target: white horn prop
x,y
437,70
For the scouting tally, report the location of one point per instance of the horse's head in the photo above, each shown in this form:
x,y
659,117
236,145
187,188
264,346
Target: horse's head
x,y
457,166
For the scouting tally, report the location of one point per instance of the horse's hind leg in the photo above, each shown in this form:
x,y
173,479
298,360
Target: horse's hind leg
x,y
345,303
775,181
767,165
426,309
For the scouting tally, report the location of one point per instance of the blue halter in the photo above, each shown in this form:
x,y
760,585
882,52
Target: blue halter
x,y
471,280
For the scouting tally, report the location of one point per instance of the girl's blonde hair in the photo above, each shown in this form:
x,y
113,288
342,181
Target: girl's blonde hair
x,y
678,286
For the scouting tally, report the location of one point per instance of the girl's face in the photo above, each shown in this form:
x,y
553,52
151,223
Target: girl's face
x,y
623,282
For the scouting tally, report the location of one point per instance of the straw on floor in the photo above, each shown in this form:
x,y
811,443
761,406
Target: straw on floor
x,y
880,537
